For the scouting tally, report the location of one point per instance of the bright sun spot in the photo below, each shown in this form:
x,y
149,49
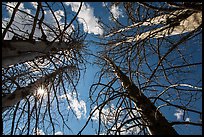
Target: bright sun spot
x,y
40,91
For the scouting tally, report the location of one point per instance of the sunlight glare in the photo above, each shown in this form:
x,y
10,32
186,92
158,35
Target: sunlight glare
x,y
40,92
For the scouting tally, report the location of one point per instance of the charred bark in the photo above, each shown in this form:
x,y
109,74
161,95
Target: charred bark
x,y
157,123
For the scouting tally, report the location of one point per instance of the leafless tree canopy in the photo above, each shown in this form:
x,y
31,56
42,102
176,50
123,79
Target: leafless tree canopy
x,y
44,55
156,50
160,51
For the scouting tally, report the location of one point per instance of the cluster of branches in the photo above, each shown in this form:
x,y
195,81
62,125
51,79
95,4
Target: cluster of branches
x,y
147,68
154,53
39,54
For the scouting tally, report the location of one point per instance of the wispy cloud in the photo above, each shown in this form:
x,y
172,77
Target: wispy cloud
x,y
108,115
178,114
188,119
116,11
79,107
86,17
41,132
21,21
18,24
34,4
104,4
38,132
59,133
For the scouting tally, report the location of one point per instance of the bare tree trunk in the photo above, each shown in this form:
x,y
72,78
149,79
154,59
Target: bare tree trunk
x,y
21,93
171,26
157,124
14,52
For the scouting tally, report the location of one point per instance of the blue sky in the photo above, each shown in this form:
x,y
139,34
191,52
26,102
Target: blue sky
x,y
90,13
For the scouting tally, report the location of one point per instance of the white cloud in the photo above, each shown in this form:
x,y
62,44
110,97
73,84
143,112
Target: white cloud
x,y
59,133
20,22
124,130
187,119
34,4
108,117
10,4
79,107
21,19
13,4
178,114
104,4
86,17
95,115
39,132
108,114
116,11
59,14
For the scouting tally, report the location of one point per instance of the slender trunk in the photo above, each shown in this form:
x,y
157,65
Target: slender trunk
x,y
171,26
162,19
157,124
21,93
14,52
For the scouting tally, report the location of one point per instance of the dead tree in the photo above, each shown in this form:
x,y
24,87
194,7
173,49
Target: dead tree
x,y
25,46
154,51
38,52
155,121
10,100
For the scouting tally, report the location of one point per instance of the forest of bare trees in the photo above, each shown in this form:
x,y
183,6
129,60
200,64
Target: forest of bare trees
x,y
44,56
148,67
